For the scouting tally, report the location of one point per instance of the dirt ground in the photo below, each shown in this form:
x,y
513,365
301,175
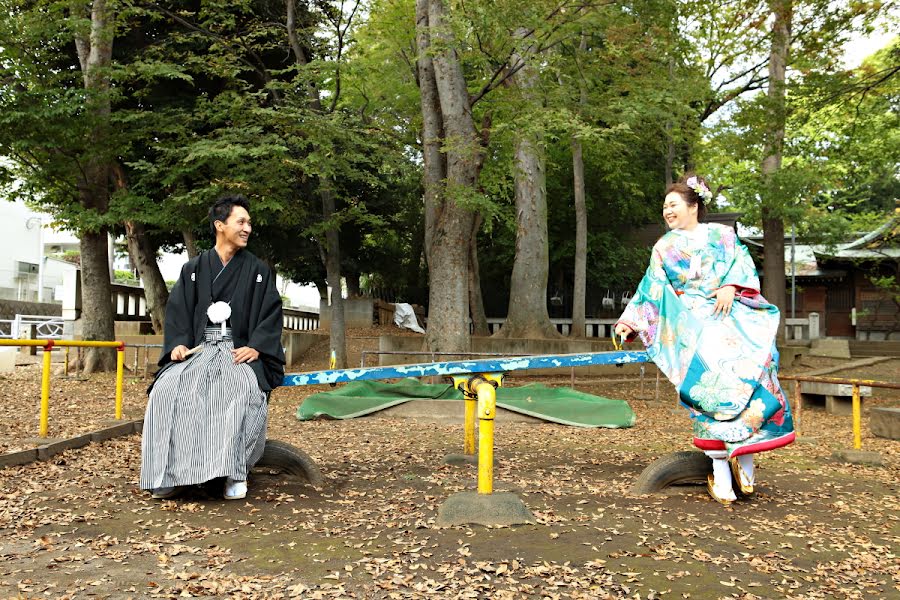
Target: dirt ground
x,y
78,526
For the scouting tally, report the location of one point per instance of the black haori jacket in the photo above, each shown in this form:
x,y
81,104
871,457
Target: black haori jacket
x,y
248,285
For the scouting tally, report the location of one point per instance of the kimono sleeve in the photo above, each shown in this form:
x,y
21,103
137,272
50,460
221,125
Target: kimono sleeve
x,y
642,312
740,270
178,329
265,336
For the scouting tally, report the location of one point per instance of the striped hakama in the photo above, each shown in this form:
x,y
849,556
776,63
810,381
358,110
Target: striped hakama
x,y
206,418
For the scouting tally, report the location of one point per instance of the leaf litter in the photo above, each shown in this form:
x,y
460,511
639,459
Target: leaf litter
x,y
77,525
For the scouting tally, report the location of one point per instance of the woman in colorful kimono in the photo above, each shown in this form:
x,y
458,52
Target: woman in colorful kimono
x,y
699,312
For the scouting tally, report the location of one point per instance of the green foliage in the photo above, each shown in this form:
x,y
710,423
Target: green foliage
x,y
127,277
209,98
838,174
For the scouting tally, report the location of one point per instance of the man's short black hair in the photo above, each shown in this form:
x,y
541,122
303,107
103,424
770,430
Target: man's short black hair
x,y
221,209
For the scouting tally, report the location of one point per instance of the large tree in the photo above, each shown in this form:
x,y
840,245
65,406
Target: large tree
x,y
56,127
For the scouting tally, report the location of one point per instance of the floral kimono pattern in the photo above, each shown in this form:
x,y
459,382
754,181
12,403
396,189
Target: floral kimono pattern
x,y
725,368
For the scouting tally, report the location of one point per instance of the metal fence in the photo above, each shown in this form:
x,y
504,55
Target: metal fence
x,y
31,327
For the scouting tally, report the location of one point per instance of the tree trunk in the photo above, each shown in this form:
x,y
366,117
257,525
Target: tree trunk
x,y
476,300
143,256
322,288
527,316
580,286
670,140
435,167
97,317
773,223
337,332
351,278
331,250
448,311
190,243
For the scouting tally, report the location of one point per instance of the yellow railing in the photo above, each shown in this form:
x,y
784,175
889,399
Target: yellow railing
x,y
480,394
48,346
857,405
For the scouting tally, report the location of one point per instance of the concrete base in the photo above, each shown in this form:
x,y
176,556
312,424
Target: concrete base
x,y
860,457
49,450
297,343
358,312
471,508
832,348
113,429
885,422
788,355
460,460
14,459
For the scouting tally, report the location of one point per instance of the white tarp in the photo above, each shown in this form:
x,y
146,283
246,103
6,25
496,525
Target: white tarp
x,y
405,316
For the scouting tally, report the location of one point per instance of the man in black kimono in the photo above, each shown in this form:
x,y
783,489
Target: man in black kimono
x,y
222,355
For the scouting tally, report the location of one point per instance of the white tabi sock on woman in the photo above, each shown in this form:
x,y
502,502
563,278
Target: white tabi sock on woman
x,y
722,474
746,462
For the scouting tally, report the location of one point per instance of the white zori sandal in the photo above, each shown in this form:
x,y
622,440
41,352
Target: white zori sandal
x,y
235,490
742,471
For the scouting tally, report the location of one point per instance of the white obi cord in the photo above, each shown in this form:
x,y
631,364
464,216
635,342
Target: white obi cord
x,y
697,240
694,271
218,312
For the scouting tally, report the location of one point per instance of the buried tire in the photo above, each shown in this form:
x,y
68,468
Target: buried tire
x,y
292,460
677,468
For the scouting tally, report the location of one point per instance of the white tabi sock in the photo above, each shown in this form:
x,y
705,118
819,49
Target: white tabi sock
x,y
746,462
721,473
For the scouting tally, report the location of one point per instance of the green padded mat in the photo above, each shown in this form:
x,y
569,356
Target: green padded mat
x,y
559,405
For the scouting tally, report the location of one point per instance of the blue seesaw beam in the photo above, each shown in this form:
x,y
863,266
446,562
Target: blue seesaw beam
x,y
464,367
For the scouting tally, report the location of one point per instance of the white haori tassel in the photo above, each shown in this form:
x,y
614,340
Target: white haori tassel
x,y
218,312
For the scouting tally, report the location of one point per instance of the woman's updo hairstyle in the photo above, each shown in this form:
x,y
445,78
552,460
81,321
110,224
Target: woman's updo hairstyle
x,y
694,190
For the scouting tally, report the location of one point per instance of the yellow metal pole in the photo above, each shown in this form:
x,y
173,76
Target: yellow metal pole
x,y
45,390
857,417
120,372
487,408
469,425
66,364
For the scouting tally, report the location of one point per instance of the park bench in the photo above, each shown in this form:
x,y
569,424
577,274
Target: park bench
x,y
838,396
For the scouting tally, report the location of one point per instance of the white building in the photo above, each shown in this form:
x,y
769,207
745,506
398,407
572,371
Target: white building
x,y
23,272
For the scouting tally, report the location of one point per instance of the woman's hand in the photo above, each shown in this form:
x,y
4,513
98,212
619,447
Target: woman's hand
x,y
724,299
624,331
244,354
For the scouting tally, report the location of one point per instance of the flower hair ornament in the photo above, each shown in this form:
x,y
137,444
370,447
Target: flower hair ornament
x,y
218,312
699,186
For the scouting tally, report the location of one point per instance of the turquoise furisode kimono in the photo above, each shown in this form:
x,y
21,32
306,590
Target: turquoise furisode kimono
x,y
725,368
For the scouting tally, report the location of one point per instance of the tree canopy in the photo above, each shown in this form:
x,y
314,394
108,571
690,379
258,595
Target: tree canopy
x,y
295,104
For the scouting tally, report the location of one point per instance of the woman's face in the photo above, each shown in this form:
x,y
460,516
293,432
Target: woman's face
x,y
677,213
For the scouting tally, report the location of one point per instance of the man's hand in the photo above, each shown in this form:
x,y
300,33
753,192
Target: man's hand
x,y
179,353
724,299
244,354
624,331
